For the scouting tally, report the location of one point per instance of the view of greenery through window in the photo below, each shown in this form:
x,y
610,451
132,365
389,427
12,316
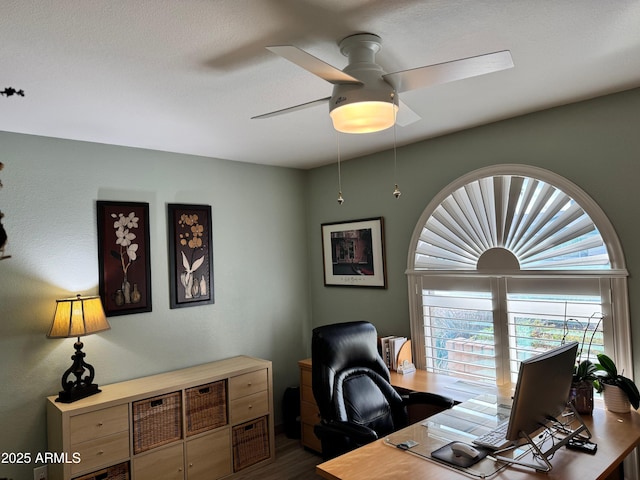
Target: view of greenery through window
x,y
460,338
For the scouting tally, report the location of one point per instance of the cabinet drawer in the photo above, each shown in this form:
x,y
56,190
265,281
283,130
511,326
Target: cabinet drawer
x,y
163,463
309,413
100,423
306,394
209,456
247,384
101,452
251,406
305,376
309,438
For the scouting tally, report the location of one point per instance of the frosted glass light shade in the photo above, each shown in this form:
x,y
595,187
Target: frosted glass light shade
x,y
363,117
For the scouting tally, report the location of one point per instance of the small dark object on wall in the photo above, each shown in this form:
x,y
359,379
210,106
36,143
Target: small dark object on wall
x,y
3,233
3,239
9,91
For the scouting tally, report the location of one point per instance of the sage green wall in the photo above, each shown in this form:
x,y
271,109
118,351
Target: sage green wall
x,y
261,289
595,144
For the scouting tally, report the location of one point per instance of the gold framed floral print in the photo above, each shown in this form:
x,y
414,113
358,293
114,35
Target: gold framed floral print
x,y
190,255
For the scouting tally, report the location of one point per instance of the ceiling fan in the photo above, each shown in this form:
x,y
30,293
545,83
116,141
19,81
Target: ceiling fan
x,y
365,97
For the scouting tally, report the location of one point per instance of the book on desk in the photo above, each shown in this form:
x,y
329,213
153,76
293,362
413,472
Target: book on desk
x,y
396,353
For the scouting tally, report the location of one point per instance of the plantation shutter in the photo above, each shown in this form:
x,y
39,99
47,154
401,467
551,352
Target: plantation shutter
x,y
544,313
539,224
459,330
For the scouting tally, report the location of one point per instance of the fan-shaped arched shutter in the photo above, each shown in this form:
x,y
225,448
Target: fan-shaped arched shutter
x,y
542,226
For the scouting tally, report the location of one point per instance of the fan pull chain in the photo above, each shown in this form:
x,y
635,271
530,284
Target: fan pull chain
x,y
340,199
396,190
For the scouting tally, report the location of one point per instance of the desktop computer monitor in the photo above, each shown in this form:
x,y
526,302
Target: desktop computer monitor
x,y
542,390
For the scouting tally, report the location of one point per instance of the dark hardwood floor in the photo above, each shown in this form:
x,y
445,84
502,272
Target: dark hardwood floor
x,y
292,463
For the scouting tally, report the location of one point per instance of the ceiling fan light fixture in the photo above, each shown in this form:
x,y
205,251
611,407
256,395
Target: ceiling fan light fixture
x,y
363,117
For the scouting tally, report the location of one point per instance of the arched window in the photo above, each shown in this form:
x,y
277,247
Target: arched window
x,y
508,261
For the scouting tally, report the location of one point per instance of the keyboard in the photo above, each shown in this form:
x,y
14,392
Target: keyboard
x,y
494,439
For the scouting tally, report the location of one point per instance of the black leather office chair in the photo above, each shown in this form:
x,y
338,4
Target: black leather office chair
x,y
351,386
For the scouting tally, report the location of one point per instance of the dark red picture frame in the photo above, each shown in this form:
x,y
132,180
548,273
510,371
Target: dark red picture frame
x,y
124,257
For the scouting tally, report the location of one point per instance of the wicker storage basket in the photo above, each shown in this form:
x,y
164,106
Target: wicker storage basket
x,y
156,421
206,407
250,443
116,472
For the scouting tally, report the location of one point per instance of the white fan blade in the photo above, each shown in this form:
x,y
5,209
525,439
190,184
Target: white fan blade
x,y
405,115
314,65
292,109
449,71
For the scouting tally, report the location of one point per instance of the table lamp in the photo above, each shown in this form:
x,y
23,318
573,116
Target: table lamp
x,y
76,317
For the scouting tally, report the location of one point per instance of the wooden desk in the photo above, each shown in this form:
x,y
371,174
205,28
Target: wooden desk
x,y
615,434
455,388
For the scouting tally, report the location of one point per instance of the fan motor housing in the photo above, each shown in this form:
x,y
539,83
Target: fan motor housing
x,y
361,50
373,94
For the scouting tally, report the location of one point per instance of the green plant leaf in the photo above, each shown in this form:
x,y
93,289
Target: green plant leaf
x,y
586,369
631,390
607,365
597,384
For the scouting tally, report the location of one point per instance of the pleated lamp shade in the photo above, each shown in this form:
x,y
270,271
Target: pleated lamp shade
x,y
78,316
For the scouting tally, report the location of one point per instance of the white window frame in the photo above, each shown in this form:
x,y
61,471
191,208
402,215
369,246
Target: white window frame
x,y
618,331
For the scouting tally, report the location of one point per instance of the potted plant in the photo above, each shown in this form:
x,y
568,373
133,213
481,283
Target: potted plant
x,y
584,372
582,385
618,390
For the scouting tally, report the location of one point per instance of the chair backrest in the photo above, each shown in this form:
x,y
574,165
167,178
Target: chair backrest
x,y
349,378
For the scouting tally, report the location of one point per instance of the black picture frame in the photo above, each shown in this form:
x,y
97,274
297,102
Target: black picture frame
x,y
353,253
191,279
124,257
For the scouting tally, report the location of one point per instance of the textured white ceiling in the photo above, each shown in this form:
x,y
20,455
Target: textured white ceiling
x,y
187,75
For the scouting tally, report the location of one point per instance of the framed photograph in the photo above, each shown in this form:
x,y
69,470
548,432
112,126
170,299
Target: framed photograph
x,y
190,255
353,253
124,257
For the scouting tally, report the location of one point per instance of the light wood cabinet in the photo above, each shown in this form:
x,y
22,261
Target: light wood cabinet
x,y
103,422
309,412
243,385
251,406
209,456
166,463
99,452
102,430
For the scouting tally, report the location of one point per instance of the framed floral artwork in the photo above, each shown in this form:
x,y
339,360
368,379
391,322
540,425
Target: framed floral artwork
x,y
353,253
124,257
190,255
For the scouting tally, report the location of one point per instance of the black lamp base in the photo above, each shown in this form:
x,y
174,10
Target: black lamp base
x,y
70,396
80,387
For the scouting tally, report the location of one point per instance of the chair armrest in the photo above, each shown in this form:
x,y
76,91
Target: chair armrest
x,y
421,405
426,398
